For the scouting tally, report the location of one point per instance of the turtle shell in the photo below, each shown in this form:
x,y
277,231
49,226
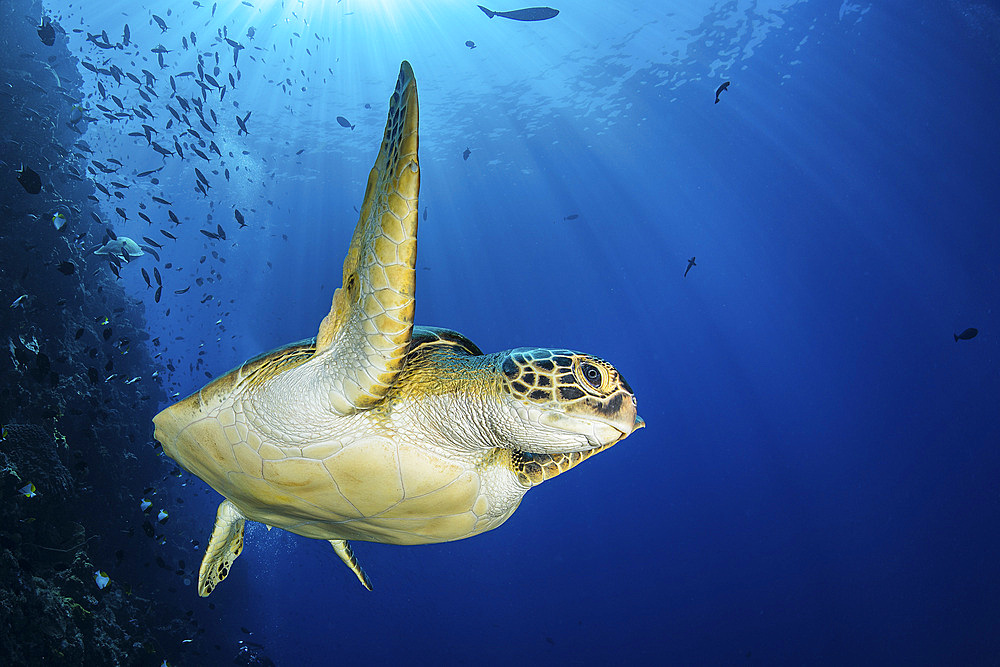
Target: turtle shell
x,y
368,476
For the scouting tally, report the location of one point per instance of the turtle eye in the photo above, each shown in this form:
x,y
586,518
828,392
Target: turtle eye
x,y
592,374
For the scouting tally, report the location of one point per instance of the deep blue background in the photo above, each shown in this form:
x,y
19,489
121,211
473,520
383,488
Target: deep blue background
x,y
818,482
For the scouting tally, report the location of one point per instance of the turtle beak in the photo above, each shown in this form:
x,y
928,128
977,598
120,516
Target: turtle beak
x,y
625,431
637,423
632,411
629,422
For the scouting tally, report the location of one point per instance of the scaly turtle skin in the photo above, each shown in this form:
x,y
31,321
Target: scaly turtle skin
x,y
381,431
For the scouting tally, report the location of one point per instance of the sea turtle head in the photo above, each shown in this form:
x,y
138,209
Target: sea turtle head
x,y
567,401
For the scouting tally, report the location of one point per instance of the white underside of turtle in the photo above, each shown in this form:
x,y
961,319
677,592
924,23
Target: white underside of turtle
x,y
380,431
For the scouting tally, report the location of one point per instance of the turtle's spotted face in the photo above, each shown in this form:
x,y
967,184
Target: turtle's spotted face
x,y
569,393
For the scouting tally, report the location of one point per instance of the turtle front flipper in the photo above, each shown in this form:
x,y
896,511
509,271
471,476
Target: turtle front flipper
x,y
225,545
343,549
365,337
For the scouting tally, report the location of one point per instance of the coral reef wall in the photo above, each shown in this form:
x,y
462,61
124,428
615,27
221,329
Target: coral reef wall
x,y
77,390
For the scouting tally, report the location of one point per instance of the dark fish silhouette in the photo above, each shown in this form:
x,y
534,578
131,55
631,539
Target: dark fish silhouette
x,y
718,91
240,219
528,14
572,216
968,334
160,149
46,32
201,176
466,153
690,264
31,181
344,122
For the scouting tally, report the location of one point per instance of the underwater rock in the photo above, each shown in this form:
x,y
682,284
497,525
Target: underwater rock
x,y
49,620
86,484
31,450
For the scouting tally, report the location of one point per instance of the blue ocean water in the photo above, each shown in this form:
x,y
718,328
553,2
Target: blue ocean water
x,y
818,479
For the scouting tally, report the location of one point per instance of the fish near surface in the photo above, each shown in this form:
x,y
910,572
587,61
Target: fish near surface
x,y
527,14
718,91
968,334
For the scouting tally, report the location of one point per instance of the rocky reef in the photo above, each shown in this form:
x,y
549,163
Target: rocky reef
x,y
77,392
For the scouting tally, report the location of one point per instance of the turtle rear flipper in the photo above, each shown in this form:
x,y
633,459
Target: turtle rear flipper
x,y
225,545
365,337
343,549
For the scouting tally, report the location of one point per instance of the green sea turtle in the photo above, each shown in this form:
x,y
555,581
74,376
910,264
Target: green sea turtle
x,y
380,430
